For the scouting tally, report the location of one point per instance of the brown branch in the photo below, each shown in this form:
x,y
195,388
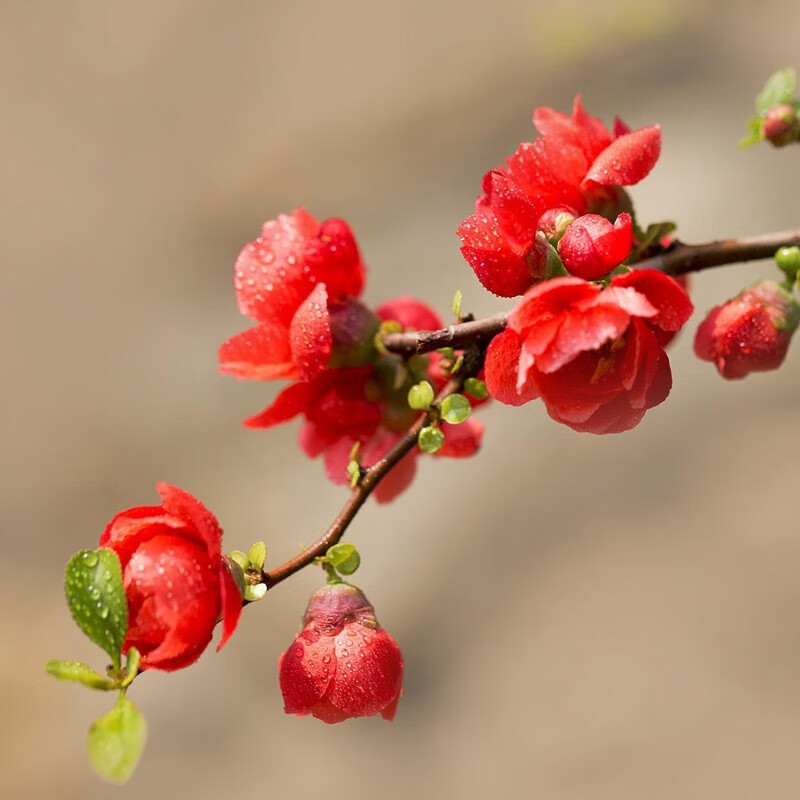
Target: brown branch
x,y
679,259
370,479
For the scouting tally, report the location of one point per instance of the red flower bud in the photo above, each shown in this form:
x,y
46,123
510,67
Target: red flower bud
x,y
176,581
750,333
342,664
591,247
781,125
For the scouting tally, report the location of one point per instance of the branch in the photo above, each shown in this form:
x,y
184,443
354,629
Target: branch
x,y
370,479
679,259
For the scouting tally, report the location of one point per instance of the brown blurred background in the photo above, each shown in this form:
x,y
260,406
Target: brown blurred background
x,y
582,617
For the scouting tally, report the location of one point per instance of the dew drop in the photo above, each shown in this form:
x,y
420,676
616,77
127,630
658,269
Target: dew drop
x,y
90,559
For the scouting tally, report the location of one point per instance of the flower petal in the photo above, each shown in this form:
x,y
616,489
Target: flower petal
x,y
502,371
290,402
411,313
627,160
310,337
260,353
306,670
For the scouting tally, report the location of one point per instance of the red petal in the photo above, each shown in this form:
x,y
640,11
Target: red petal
x,y
462,440
333,258
290,402
498,262
310,334
369,673
398,480
663,292
128,529
270,276
502,369
548,300
306,671
231,602
628,159
260,353
173,598
200,522
411,313
514,212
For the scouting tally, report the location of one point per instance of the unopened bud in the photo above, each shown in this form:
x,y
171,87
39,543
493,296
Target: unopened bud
x,y
781,125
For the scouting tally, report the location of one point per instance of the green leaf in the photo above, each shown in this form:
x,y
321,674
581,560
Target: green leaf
x,y
457,297
647,238
96,597
79,672
779,88
241,559
344,557
430,439
257,555
455,409
755,135
447,352
420,396
353,472
476,388
116,741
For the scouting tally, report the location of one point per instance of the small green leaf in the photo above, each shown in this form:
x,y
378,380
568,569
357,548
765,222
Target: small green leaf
x,y
420,396
755,135
132,662
447,352
430,439
240,558
353,472
455,409
254,593
80,672
116,741
476,388
257,555
779,88
647,238
386,327
456,365
96,597
457,297
344,557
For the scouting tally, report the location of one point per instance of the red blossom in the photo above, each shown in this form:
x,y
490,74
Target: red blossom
x,y
368,405
288,280
342,664
576,166
750,333
175,578
595,356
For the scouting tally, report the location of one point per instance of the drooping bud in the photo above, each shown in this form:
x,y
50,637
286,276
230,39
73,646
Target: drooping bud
x,y
781,125
342,664
749,333
353,329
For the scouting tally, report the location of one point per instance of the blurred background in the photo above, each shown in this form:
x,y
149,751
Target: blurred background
x,y
581,617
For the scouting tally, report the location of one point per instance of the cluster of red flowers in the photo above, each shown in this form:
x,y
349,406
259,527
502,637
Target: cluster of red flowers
x,y
594,352
300,281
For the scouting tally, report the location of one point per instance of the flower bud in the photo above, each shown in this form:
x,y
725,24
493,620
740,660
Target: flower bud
x,y
591,247
555,221
750,333
342,664
781,125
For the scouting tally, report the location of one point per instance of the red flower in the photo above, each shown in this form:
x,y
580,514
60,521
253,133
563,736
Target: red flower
x,y
595,356
591,246
575,167
175,578
369,405
288,280
342,664
750,333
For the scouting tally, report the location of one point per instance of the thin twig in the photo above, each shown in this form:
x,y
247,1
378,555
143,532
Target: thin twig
x,y
678,259
371,478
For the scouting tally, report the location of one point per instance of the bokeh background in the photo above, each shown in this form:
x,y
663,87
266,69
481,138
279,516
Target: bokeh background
x,y
582,617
